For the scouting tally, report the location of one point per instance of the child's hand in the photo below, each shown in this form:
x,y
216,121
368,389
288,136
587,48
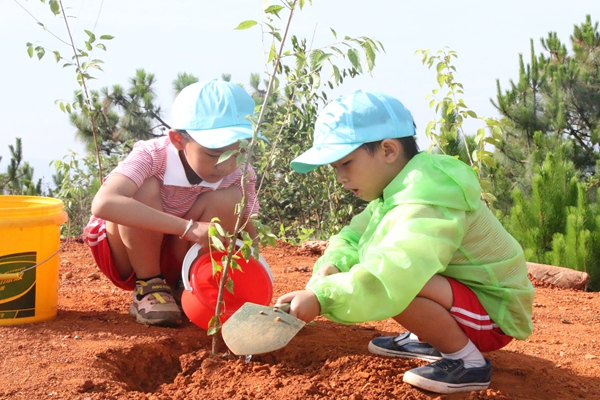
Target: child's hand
x,y
199,234
303,304
328,269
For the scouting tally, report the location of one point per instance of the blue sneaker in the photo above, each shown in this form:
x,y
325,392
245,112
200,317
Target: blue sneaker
x,y
450,376
403,346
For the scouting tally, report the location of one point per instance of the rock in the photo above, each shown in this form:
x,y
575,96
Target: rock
x,y
314,246
559,276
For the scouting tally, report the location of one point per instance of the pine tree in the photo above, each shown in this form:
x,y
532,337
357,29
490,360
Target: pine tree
x,y
558,94
558,224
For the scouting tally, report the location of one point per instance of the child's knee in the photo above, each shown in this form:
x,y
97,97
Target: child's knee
x,y
218,203
438,289
149,193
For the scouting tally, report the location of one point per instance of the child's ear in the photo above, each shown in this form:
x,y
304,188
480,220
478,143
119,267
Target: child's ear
x,y
392,149
177,139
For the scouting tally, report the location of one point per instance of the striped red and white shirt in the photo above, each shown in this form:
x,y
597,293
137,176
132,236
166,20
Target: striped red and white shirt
x,y
160,159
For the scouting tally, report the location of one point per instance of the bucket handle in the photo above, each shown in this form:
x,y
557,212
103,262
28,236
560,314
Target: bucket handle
x,y
18,275
191,256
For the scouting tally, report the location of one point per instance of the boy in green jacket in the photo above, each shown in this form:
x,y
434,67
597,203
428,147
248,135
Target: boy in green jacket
x,y
426,251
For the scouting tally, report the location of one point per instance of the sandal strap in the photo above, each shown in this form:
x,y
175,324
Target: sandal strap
x,y
144,288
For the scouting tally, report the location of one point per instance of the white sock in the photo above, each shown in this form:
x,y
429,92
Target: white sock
x,y
414,337
471,356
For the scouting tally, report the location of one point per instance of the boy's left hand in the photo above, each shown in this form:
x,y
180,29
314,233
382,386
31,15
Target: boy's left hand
x,y
303,304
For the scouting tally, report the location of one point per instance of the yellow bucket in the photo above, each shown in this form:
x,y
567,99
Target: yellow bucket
x,y
29,235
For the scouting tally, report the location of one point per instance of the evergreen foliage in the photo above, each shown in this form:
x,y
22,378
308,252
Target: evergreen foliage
x,y
18,179
557,94
557,224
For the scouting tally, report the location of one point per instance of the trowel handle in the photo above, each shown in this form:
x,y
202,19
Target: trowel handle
x,y
285,307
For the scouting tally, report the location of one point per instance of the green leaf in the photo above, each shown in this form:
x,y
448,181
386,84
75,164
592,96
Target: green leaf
x,y
107,37
471,113
370,55
300,60
235,266
211,331
101,46
220,229
216,243
56,56
246,25
316,83
336,74
54,7
212,328
216,268
341,53
30,50
229,285
277,36
441,80
273,10
334,33
354,58
40,52
246,251
317,58
272,53
226,156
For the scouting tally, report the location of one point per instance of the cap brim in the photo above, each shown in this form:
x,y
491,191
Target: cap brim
x,y
222,137
321,155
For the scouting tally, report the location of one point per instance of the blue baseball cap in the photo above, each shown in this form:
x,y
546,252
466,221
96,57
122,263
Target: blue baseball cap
x,y
215,113
348,122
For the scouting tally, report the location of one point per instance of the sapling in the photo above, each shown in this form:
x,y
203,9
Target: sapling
x,y
454,113
82,61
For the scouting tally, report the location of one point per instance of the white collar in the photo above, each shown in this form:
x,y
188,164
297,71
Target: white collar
x,y
175,173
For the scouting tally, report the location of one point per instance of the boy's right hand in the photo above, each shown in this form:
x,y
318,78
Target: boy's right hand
x,y
328,269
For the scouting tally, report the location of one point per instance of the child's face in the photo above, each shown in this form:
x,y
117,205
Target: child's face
x,y
365,174
204,161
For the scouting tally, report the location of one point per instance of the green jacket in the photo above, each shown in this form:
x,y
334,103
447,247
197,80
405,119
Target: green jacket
x,y
430,220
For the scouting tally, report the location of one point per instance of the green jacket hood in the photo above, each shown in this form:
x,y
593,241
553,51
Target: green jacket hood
x,y
427,175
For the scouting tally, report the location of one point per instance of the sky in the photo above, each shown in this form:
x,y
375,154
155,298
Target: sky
x,y
198,37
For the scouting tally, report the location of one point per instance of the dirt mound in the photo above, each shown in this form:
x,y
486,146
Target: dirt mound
x,y
95,350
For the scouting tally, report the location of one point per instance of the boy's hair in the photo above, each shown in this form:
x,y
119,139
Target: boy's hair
x,y
409,144
184,133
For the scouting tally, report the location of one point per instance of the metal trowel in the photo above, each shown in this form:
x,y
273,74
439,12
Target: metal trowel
x,y
256,329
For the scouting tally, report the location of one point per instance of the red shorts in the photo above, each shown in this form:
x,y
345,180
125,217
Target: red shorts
x,y
95,237
474,320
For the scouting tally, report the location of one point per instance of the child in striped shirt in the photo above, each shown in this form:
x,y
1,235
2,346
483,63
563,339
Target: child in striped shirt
x,y
160,200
